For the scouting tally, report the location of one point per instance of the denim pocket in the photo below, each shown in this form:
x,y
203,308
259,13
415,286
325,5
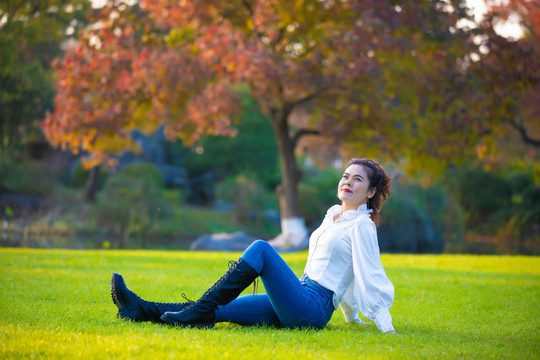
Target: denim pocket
x,y
321,321
320,307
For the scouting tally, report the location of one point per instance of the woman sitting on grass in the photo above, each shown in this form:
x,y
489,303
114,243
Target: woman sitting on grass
x,y
343,269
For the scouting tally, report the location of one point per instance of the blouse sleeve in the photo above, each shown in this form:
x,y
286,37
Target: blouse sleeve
x,y
372,290
348,307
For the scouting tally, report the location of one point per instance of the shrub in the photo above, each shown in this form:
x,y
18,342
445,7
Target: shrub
x,y
317,192
421,220
250,198
520,182
403,226
519,224
480,193
26,177
79,177
131,201
502,205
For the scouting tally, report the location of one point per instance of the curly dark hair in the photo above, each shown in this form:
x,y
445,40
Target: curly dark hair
x,y
379,180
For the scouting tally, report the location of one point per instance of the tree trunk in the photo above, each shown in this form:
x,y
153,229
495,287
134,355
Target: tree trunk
x,y
294,232
92,185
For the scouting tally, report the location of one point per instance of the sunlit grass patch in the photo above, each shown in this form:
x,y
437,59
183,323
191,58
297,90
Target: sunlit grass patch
x,y
57,304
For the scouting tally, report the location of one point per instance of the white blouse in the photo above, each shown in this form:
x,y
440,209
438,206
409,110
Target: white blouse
x,y
344,257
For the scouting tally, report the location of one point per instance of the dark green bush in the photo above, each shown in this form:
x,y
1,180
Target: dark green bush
x,y
131,201
520,182
403,226
421,220
318,192
503,205
480,193
520,222
250,198
26,177
79,177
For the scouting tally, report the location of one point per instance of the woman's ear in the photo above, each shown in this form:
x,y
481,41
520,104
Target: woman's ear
x,y
371,193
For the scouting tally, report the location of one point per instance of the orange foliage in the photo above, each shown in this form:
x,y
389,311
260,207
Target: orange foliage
x,y
114,82
372,70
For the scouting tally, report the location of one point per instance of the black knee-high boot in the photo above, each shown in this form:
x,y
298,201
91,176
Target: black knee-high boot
x,y
202,312
131,306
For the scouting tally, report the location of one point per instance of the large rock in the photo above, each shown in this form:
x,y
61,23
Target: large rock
x,y
154,150
237,241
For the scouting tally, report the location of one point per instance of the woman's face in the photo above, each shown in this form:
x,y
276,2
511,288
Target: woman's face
x,y
353,188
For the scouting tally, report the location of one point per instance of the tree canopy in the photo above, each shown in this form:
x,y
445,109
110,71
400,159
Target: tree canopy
x,y
510,70
356,64
31,34
387,79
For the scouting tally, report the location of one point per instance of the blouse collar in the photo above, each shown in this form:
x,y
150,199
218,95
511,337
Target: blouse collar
x,y
350,214
363,208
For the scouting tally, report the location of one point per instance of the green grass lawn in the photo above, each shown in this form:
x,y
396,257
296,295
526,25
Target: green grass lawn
x,y
57,304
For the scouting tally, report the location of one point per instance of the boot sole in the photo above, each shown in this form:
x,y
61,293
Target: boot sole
x,y
191,326
116,298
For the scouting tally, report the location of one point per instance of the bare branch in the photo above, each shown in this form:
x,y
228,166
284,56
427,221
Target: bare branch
x,y
247,5
524,134
307,98
278,39
301,133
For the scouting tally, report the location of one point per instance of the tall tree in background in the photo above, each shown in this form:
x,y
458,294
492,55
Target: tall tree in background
x,y
510,70
178,63
31,34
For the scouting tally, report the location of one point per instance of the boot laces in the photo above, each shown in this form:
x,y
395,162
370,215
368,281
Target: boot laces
x,y
232,266
255,283
192,304
189,301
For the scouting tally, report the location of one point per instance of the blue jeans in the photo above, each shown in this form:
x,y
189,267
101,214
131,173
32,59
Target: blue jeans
x,y
288,302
